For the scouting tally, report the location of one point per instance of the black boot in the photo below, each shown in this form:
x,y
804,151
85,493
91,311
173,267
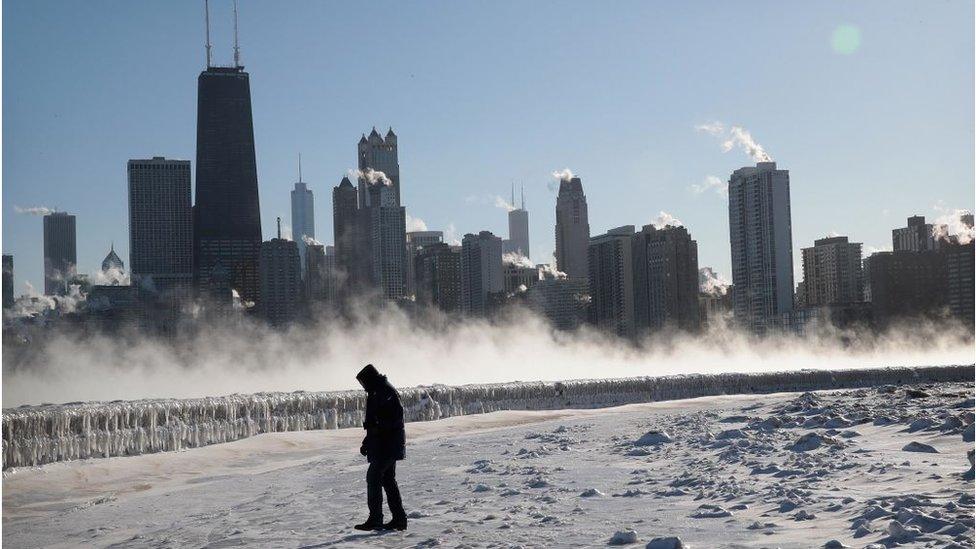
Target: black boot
x,y
399,523
370,524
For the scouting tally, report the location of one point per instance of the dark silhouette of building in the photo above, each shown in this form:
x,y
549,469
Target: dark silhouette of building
x,y
918,236
8,281
417,240
518,228
160,224
518,276
60,252
481,272
227,215
665,279
611,281
320,275
572,229
379,154
438,276
302,214
561,300
761,238
281,280
387,241
832,273
959,278
906,284
345,227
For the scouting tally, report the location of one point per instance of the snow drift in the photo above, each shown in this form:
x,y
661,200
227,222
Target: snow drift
x,y
35,435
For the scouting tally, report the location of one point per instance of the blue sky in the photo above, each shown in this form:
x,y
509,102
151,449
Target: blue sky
x,y
485,93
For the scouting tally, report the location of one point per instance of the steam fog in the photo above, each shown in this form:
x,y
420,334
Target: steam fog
x,y
248,357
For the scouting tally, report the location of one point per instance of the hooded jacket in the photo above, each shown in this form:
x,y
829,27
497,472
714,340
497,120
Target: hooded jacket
x,y
385,435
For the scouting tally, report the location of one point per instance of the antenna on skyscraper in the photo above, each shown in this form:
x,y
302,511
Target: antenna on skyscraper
x,y
237,49
523,196
279,227
513,195
206,9
299,167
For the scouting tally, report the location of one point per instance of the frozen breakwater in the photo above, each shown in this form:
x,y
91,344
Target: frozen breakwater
x,y
35,435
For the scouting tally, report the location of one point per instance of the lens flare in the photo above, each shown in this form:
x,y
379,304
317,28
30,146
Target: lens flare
x,y
846,39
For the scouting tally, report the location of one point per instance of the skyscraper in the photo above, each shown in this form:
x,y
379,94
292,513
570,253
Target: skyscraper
x,y
8,281
415,241
518,228
60,252
918,236
160,224
611,280
832,272
380,155
302,214
572,229
345,222
563,301
387,241
481,272
227,216
280,280
665,279
320,275
438,276
761,239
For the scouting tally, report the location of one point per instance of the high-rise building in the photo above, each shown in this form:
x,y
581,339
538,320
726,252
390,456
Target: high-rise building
x,y
320,274
906,284
302,215
611,281
345,225
518,229
518,275
572,229
387,241
379,154
281,280
481,272
832,273
415,241
60,252
959,279
438,276
561,300
918,236
113,267
227,215
761,239
8,281
665,279
160,224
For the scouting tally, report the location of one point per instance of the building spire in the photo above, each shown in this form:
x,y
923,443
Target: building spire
x,y
513,194
279,227
237,49
523,196
206,10
299,167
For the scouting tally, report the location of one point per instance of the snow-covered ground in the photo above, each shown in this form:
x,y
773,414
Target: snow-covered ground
x,y
778,470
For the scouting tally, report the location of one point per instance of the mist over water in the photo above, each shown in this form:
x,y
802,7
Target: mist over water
x,y
249,357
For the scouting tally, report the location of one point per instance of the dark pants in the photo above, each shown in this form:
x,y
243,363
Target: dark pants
x,y
380,476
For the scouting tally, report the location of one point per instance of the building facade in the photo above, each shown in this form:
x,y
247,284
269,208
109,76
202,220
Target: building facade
x,y
761,238
918,236
302,217
906,284
160,224
611,281
281,281
572,229
60,252
665,279
438,276
832,273
8,281
416,240
379,154
387,242
320,275
960,296
345,227
227,215
562,301
481,272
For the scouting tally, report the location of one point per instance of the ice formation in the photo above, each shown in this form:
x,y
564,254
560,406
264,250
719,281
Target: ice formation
x,y
35,435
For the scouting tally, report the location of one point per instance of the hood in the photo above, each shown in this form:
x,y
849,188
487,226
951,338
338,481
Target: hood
x,y
370,378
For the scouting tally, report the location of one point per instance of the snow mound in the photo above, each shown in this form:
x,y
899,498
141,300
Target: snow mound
x,y
812,441
623,537
914,446
652,438
665,543
591,493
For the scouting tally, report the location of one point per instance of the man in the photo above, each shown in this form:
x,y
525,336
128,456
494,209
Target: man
x,y
384,445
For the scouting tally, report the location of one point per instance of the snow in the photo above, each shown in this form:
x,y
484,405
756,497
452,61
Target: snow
x,y
307,489
51,433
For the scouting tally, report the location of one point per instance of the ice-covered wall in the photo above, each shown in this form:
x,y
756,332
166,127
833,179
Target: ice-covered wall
x,y
43,434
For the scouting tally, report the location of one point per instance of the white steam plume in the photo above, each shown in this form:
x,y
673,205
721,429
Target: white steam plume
x,y
736,136
665,219
711,182
415,224
513,258
309,241
503,204
562,175
950,225
712,283
34,210
371,176
451,235
549,270
113,276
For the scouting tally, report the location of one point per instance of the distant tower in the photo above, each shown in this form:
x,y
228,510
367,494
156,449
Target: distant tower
x,y
481,271
611,281
281,279
666,279
438,276
832,272
518,228
60,252
112,261
302,214
344,228
8,281
160,223
572,229
387,244
227,215
918,236
416,240
761,236
379,154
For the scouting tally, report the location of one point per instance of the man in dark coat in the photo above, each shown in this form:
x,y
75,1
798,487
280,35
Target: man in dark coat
x,y
384,445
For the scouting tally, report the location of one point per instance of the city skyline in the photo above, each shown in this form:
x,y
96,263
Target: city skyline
x,y
434,189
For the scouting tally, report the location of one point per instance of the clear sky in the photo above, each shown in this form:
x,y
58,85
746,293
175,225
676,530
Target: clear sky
x,y
869,104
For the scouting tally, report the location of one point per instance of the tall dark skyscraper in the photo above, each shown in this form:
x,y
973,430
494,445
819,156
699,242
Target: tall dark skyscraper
x,y
8,281
379,154
611,280
160,223
60,252
518,229
481,272
281,280
665,279
345,222
227,216
302,214
572,229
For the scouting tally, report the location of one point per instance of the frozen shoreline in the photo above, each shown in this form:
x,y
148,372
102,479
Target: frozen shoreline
x,y
37,435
